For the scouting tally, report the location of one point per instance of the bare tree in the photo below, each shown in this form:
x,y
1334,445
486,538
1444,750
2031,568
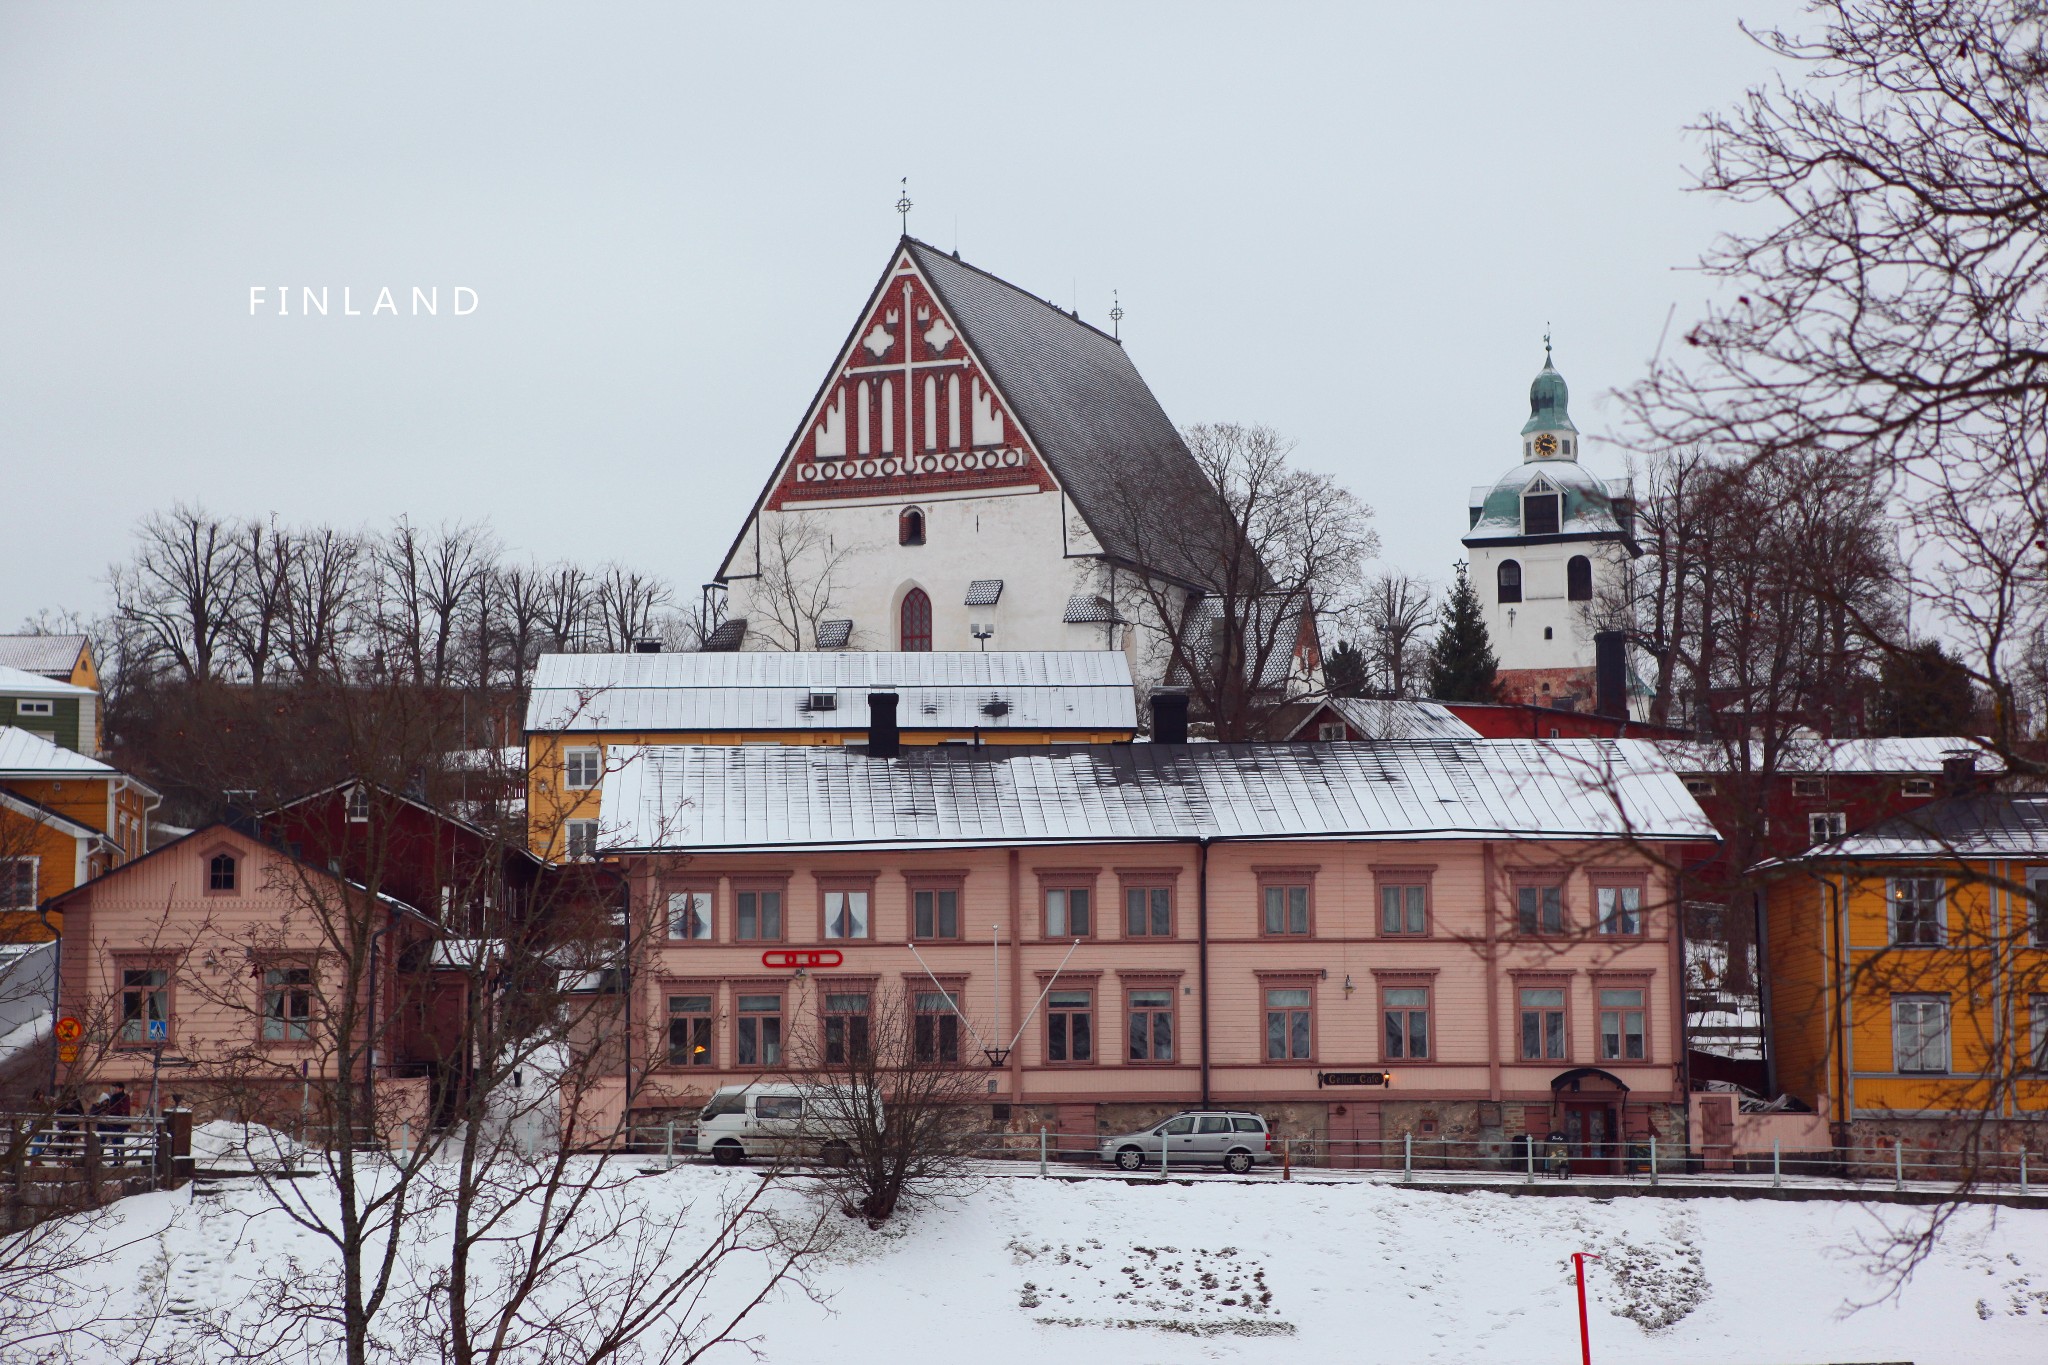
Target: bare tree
x,y
1266,545
1884,311
521,602
889,1098
626,606
801,566
1396,612
265,556
567,601
322,608
178,590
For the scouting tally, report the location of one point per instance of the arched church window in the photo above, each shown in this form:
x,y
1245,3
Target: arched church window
x,y
1510,580
917,622
1539,514
910,527
1578,579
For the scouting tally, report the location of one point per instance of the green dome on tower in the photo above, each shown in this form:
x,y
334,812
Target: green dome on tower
x,y
1547,399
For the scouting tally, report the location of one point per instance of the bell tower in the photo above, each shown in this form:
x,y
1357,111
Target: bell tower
x,y
1544,542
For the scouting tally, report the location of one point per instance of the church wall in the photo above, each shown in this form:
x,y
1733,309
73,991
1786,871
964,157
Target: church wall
x,y
1518,639
1015,537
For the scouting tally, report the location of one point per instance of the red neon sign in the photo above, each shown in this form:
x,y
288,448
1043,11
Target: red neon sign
x,y
802,957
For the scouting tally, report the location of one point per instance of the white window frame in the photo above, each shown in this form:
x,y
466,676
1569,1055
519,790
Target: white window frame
x,y
579,840
31,706
35,882
359,804
2037,1031
585,761
1823,825
1917,786
2037,909
1916,1006
1329,731
1891,910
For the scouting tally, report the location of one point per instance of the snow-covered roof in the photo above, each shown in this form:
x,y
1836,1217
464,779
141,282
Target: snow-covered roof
x,y
1374,718
49,654
19,682
24,753
1921,755
1984,825
997,690
679,797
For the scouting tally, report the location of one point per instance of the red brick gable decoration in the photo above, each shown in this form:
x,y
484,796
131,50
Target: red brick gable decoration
x,y
910,412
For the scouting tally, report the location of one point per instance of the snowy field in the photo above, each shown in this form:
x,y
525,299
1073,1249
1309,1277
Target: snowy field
x,y
1020,1270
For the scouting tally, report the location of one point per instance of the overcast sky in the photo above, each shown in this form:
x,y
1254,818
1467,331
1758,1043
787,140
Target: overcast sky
x,y
1350,222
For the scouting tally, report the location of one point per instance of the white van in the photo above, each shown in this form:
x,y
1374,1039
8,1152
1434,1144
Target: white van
x,y
783,1122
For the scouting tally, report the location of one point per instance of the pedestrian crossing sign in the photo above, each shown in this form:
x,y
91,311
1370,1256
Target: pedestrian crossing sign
x,y
159,1030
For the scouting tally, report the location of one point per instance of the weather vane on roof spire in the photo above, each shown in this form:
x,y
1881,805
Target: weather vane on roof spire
x,y
1116,316
903,206
1546,343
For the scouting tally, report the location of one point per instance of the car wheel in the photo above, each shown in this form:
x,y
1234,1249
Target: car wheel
x,y
1238,1162
1130,1159
728,1153
837,1153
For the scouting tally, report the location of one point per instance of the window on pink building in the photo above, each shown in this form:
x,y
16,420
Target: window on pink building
x,y
220,872
1148,911
1070,1026
1543,1037
145,1005
689,914
1621,1026
1620,909
689,1031
757,913
1069,911
1290,1023
1406,1011
1539,908
1150,1025
287,1004
758,1030
936,1030
1404,908
846,1027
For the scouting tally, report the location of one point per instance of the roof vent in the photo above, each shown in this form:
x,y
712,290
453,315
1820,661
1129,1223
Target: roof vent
x,y
647,646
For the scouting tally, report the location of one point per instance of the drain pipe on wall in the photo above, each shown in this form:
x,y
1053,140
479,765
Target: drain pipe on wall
x,y
1202,953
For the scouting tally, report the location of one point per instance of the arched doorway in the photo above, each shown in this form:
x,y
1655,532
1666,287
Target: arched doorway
x,y
916,621
1587,1105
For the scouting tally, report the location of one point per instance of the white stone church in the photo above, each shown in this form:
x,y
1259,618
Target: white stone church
x,y
961,481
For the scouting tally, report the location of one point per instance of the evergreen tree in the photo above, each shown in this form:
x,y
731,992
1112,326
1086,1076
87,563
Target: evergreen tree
x,y
1461,662
1924,691
1345,671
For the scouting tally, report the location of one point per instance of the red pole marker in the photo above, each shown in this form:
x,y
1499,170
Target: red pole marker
x,y
1579,1259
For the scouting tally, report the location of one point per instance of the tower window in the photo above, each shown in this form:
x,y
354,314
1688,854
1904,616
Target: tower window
x,y
910,527
1510,581
917,622
1578,579
1540,514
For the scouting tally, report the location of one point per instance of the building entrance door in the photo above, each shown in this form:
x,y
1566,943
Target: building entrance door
x,y
1591,1129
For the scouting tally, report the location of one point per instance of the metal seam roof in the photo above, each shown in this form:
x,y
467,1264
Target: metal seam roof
x,y
766,796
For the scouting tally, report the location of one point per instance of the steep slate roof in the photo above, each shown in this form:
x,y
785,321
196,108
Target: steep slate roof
x,y
945,690
788,796
1083,403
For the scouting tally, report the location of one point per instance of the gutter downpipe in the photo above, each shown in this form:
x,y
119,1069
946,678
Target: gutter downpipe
x,y
1202,952
1493,1092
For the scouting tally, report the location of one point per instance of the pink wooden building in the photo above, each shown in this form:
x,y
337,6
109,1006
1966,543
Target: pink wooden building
x,y
207,968
1171,925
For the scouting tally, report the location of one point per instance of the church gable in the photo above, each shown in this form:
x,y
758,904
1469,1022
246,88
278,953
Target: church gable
x,y
909,411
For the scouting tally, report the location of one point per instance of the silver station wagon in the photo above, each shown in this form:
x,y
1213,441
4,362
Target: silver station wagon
x,y
1230,1138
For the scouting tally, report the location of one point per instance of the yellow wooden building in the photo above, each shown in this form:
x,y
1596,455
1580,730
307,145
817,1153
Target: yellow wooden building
x,y
1907,968
64,818
585,708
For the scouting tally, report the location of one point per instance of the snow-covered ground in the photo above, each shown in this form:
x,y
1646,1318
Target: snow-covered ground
x,y
1021,1270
